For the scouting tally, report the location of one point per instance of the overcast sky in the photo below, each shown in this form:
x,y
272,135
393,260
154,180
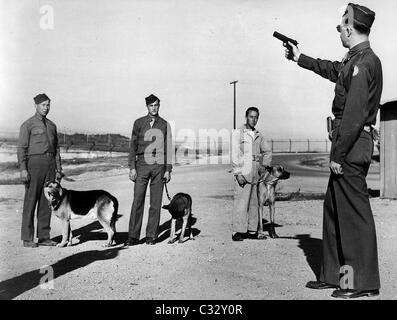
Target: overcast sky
x,y
102,58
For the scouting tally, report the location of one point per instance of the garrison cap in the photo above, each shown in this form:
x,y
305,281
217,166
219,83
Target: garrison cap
x,y
41,98
150,99
362,14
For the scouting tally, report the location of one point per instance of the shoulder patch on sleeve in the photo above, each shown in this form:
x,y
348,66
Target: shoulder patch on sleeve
x,y
355,70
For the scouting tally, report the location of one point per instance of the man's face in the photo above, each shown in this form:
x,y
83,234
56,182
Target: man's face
x,y
344,35
345,29
43,108
252,118
153,108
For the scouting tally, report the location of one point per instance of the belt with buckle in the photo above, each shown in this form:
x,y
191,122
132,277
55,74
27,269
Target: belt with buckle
x,y
46,154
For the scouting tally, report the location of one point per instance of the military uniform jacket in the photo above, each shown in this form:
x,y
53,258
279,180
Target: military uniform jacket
x,y
38,135
358,89
151,142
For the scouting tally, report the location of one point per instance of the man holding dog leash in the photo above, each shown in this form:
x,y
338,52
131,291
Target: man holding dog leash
x,y
249,151
39,161
149,160
349,237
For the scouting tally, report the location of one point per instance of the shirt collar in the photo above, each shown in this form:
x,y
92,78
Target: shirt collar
x,y
149,118
39,117
245,128
359,47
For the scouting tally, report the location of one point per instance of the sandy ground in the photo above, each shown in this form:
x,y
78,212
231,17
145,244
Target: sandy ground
x,y
210,267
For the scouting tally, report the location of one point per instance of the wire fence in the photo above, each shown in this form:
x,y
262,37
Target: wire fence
x,y
82,145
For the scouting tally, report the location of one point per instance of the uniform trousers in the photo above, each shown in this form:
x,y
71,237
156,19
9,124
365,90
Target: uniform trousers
x,y
349,236
145,173
41,169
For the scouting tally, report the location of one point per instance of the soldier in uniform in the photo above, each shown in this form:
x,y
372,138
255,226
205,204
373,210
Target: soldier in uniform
x,y
39,161
249,151
149,160
349,237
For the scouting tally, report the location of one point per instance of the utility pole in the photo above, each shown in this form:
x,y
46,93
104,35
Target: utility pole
x,y
234,103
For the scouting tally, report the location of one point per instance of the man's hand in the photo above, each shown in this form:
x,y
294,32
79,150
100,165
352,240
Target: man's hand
x,y
335,167
167,176
58,176
241,180
133,175
295,51
25,177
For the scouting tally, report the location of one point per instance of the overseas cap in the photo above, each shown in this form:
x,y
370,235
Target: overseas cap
x,y
150,99
360,14
41,98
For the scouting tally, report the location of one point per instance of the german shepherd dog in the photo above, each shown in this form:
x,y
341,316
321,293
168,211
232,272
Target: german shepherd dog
x,y
70,204
269,177
180,207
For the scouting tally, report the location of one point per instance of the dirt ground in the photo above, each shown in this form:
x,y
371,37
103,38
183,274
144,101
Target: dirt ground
x,y
210,267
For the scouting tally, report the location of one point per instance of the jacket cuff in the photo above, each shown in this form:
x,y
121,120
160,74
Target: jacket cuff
x,y
304,61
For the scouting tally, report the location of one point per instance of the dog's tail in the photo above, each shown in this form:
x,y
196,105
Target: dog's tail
x,y
115,211
166,206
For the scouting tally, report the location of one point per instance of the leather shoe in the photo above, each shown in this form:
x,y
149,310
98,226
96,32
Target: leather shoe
x,y
29,244
46,242
238,236
131,242
255,236
319,285
150,241
352,294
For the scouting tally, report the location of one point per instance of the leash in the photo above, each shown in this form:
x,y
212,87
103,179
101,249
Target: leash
x,y
166,190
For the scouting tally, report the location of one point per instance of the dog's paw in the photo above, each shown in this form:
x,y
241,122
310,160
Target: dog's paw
x,y
107,245
61,245
261,236
171,241
180,241
273,235
69,244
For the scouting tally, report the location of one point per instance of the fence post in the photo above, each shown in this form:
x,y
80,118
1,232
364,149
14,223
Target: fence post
x,y
290,146
272,144
308,145
326,145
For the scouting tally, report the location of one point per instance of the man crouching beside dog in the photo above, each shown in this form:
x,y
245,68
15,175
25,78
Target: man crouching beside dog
x,y
249,151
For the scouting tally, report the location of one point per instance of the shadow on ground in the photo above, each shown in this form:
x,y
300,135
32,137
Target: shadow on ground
x,y
11,288
89,233
280,196
165,229
312,248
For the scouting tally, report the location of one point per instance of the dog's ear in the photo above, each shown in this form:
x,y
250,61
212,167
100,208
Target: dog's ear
x,y
269,168
47,184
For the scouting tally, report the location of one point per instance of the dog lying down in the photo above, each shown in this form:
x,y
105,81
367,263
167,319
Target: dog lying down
x,y
180,207
70,204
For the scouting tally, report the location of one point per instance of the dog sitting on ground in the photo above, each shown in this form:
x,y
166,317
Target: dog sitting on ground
x,y
269,177
70,204
180,207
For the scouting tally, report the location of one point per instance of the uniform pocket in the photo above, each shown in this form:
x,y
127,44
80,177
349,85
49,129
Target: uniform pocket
x,y
361,153
38,135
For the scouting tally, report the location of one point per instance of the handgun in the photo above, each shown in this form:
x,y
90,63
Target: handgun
x,y
285,41
329,127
